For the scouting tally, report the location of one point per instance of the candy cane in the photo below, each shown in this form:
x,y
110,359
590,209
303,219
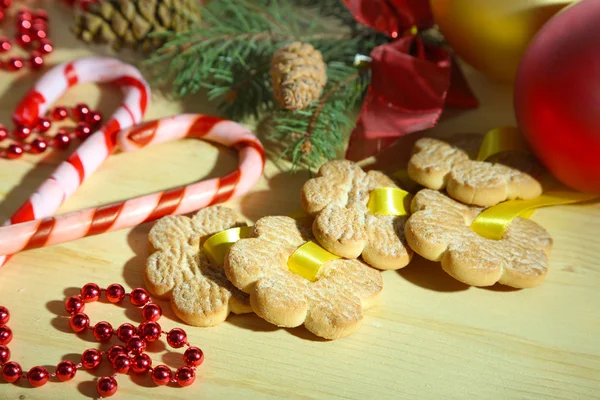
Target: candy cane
x,y
184,199
87,158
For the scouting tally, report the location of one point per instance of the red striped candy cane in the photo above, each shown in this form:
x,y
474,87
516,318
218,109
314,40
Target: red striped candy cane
x,y
87,158
184,199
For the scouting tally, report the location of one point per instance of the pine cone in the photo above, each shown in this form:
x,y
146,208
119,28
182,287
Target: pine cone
x,y
127,23
298,75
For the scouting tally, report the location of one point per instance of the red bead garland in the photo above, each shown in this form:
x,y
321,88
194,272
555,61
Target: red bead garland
x,y
123,359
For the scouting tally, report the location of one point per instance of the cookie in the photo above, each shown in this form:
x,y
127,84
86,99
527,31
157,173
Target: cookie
x,y
179,269
330,307
337,199
438,165
440,230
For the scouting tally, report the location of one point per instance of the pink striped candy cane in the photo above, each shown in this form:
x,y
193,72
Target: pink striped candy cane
x,y
87,158
184,199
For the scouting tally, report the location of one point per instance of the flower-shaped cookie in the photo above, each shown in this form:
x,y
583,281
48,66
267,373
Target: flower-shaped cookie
x,y
331,307
437,165
178,269
343,225
440,230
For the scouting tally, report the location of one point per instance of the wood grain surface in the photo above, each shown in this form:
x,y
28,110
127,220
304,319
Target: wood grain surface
x,y
430,338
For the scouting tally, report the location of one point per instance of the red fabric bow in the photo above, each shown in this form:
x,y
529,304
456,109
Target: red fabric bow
x,y
411,80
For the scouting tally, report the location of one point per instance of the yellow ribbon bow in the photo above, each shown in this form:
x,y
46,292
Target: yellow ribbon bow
x,y
389,201
308,259
217,246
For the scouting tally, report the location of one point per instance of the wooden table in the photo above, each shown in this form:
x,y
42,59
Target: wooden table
x,y
430,338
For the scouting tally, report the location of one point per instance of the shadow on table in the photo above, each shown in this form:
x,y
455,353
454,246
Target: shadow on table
x,y
430,275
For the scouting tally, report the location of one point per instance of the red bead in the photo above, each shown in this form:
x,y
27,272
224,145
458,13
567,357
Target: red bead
x,y
121,363
45,46
80,111
22,132
5,3
4,316
152,312
59,113
38,376
141,363
4,44
14,64
6,335
149,331
14,151
93,118
39,145
106,386
4,354
38,29
36,60
193,356
61,140
114,351
43,124
79,322
176,338
115,293
91,358
103,331
3,132
41,14
74,305
11,372
24,14
139,297
185,376
136,345
125,332
65,371
24,39
161,375
83,130
90,292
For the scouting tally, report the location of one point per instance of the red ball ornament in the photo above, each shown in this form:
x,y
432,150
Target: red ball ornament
x,y
45,46
3,132
91,358
557,96
176,338
93,118
4,316
36,60
115,293
6,335
39,145
90,292
139,297
74,305
125,332
4,354
103,331
152,312
14,64
59,113
4,44
22,132
23,39
136,345
65,371
161,375
61,140
11,372
121,363
193,356
83,130
185,376
106,386
114,351
141,363
149,331
79,322
43,124
14,151
80,111
38,376
24,14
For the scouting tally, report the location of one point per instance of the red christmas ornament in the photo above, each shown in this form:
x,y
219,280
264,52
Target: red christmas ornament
x,y
557,96
3,132
139,297
90,292
74,305
136,345
193,356
114,351
38,145
152,312
121,363
149,331
11,372
103,331
106,386
62,140
125,332
161,375
91,358
6,335
176,338
79,322
115,293
65,371
38,376
14,151
22,132
4,316
185,376
43,124
4,354
141,363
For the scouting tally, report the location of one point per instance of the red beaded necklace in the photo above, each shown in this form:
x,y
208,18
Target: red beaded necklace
x,y
130,357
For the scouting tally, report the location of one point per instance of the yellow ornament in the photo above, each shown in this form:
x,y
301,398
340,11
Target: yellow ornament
x,y
492,35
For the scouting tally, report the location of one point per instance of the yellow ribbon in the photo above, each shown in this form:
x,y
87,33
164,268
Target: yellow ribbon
x,y
499,140
216,246
307,260
389,201
492,223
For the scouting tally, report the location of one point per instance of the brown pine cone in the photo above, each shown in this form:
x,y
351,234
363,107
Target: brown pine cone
x,y
298,75
128,23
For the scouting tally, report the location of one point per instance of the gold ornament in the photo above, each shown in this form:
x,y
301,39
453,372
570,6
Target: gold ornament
x,y
492,35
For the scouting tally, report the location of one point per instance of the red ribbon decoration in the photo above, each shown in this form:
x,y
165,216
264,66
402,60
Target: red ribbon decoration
x,y
411,80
